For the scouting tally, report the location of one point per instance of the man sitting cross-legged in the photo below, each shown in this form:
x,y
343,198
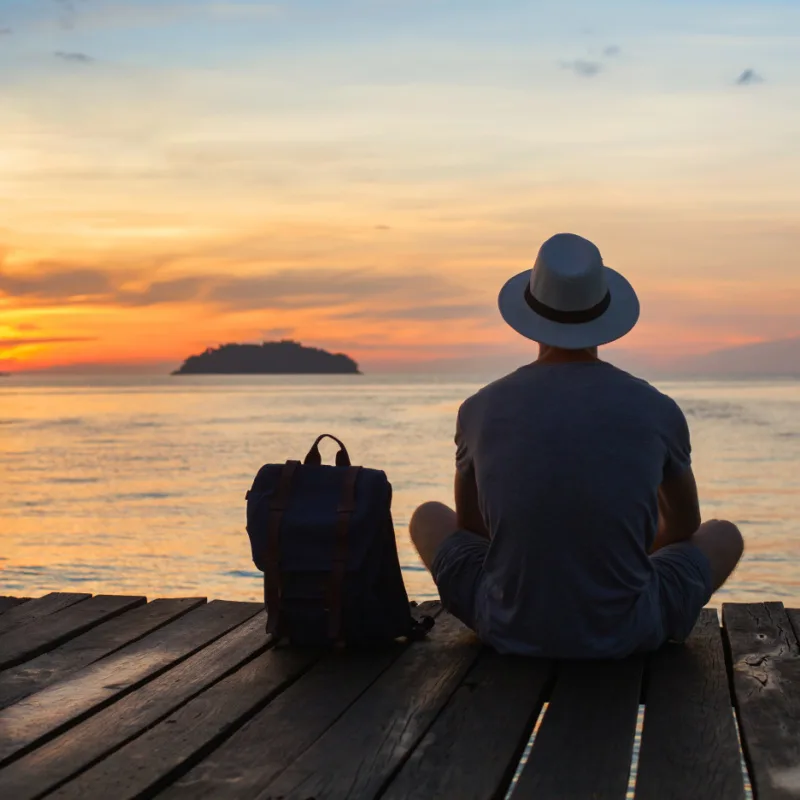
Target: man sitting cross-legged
x,y
577,530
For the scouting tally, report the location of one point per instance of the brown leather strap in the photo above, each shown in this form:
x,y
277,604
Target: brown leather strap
x,y
347,504
272,571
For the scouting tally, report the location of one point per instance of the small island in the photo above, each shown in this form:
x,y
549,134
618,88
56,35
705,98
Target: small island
x,y
269,358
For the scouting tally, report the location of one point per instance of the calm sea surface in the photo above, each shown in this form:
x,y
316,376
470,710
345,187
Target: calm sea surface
x,y
136,485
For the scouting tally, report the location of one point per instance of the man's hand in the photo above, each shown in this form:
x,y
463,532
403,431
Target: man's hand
x,y
467,508
678,510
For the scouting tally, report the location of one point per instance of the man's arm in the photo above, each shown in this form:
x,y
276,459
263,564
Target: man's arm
x,y
678,510
467,509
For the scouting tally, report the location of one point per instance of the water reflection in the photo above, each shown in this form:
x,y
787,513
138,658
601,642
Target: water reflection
x,y
138,485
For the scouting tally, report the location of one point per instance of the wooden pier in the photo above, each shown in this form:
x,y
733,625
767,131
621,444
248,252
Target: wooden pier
x,y
113,697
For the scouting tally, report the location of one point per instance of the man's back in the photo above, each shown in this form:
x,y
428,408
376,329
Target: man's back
x,y
576,470
568,459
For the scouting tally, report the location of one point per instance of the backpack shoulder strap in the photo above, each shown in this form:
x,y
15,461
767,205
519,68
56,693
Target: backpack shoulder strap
x,y
272,572
345,509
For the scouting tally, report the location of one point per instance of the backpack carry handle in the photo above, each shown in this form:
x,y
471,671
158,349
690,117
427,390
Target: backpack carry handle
x,y
315,459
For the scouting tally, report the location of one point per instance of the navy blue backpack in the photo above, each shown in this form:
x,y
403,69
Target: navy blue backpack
x,y
324,539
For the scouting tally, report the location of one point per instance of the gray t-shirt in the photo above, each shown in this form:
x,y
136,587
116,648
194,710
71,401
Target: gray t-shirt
x,y
568,459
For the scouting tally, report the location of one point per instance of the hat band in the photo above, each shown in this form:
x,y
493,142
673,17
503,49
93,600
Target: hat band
x,y
567,317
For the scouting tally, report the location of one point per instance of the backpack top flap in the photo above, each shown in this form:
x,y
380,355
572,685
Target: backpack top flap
x,y
310,517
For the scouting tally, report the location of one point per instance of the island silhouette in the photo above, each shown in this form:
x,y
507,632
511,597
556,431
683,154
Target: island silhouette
x,y
268,358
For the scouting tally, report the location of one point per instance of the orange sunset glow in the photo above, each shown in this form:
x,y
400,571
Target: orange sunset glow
x,y
174,176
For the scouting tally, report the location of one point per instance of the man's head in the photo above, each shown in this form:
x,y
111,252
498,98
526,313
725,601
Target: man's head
x,y
570,300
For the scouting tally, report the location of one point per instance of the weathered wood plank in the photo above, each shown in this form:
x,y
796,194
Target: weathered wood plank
x,y
28,613
472,750
766,680
152,760
288,726
62,704
358,754
7,602
83,745
22,644
690,750
99,642
584,745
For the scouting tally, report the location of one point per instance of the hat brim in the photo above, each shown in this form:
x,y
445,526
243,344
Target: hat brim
x,y
617,320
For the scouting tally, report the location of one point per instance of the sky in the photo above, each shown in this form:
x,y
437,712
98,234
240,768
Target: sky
x,y
364,175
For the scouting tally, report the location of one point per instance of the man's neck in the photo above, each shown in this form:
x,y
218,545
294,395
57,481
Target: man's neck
x,y
557,355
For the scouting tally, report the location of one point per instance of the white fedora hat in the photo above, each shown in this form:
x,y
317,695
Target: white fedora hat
x,y
570,299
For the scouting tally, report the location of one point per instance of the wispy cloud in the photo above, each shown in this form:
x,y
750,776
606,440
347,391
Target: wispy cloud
x,y
311,288
6,31
66,13
81,58
122,14
426,313
282,289
277,333
5,344
748,77
53,282
246,11
589,68
582,67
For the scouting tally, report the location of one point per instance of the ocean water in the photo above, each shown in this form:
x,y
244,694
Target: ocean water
x,y
136,485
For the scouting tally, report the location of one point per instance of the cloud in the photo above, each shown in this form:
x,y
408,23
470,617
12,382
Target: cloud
x,y
748,77
6,31
56,283
238,10
66,13
586,69
8,343
80,58
424,313
121,14
611,51
172,291
383,227
314,288
281,289
277,333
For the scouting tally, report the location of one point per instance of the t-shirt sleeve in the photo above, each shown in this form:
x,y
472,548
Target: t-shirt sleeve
x,y
679,446
463,455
